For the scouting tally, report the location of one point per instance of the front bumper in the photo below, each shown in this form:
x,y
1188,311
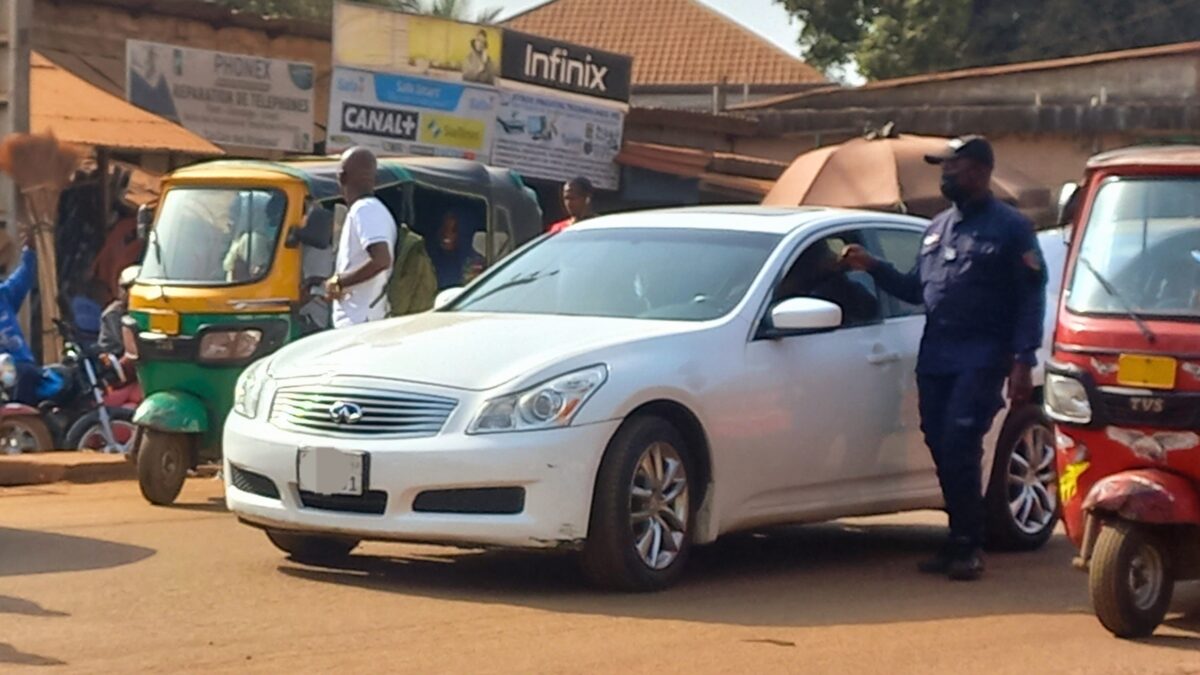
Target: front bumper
x,y
556,468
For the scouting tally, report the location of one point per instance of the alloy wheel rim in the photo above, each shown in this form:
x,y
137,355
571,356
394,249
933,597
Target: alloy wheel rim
x,y
1032,481
94,439
1146,573
658,506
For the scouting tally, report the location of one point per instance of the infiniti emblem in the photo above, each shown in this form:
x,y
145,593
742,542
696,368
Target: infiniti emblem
x,y
345,412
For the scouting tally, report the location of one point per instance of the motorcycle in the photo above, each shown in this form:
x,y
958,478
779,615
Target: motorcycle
x,y
75,408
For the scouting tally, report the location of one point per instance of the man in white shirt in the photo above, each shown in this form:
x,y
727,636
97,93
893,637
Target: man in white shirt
x,y
364,254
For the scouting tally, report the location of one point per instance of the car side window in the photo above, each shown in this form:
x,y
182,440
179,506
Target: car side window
x,y
900,248
817,273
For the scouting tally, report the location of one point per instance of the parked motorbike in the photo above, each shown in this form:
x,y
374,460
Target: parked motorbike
x,y
75,408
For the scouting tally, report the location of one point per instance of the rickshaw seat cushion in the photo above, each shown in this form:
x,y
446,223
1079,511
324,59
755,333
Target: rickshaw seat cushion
x,y
173,412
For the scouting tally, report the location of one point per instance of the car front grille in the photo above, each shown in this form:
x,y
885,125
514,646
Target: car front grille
x,y
369,503
332,410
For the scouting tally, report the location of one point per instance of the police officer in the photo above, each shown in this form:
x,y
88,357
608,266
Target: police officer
x,y
982,280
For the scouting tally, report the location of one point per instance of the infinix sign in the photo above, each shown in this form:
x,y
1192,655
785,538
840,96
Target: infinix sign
x,y
566,67
558,66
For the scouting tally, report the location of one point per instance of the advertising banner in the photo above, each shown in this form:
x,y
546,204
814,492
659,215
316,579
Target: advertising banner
x,y
400,114
230,99
557,137
379,39
564,66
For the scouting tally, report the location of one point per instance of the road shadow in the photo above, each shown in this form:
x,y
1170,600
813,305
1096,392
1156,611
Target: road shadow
x,y
33,552
11,655
819,575
210,505
11,605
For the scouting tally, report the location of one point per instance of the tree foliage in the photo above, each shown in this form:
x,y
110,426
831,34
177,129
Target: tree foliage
x,y
893,38
322,10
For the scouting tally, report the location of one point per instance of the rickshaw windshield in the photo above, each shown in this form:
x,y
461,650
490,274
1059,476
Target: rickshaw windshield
x,y
214,236
1140,252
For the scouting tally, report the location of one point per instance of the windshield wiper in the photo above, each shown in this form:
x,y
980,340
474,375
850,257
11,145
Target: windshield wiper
x,y
1111,290
515,281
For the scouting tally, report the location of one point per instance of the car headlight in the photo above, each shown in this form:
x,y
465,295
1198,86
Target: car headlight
x,y
249,388
549,405
1067,400
230,345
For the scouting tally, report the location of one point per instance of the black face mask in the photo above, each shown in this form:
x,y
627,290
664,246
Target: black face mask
x,y
953,190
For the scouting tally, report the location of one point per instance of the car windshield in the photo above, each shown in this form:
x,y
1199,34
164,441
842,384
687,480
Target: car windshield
x,y
1141,250
214,236
659,274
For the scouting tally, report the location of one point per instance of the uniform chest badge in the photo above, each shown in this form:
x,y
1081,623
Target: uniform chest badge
x,y
932,238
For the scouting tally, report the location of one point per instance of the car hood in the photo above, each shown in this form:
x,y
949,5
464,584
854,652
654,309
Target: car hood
x,y
471,351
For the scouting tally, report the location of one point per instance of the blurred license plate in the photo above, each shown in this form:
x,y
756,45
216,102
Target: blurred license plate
x,y
327,471
1155,372
164,322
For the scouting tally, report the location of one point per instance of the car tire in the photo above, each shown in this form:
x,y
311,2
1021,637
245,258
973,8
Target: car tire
x,y
644,505
312,548
1126,554
162,465
1022,502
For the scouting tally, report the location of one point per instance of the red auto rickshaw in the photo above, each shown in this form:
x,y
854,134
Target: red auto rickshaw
x,y
1123,386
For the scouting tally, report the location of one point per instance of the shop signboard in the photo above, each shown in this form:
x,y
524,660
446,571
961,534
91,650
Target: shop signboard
x,y
401,114
230,99
566,67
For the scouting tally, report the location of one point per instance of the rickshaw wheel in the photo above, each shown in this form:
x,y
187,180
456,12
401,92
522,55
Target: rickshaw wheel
x,y
1130,580
163,462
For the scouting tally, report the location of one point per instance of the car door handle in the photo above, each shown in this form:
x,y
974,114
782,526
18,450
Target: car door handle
x,y
882,358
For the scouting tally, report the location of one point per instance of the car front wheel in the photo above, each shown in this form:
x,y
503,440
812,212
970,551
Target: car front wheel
x,y
640,531
1022,496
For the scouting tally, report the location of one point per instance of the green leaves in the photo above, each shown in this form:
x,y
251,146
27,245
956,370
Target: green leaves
x,y
894,38
322,10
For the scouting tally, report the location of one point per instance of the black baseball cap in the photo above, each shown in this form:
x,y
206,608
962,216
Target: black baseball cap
x,y
968,147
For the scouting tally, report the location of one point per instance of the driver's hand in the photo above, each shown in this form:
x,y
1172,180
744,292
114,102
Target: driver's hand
x,y
855,257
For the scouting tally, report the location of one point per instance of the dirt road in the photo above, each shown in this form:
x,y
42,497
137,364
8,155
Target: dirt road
x,y
94,580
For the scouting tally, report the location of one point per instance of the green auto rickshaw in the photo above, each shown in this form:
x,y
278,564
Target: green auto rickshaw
x,y
233,248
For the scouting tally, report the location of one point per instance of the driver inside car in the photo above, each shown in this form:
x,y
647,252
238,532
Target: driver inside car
x,y
818,273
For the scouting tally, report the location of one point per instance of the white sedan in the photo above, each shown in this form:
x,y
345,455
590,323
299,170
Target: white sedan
x,y
637,385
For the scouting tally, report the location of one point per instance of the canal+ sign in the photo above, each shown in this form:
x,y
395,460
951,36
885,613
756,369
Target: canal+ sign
x,y
564,66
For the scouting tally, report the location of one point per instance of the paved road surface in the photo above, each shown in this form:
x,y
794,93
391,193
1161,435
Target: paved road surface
x,y
94,580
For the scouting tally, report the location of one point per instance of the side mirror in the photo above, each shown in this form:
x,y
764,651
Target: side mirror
x,y
446,297
317,230
129,275
805,315
145,220
1068,203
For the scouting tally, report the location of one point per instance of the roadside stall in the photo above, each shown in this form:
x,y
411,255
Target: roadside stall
x,y
90,243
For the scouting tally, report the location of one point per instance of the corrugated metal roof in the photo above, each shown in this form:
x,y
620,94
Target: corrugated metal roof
x,y
986,71
79,112
671,41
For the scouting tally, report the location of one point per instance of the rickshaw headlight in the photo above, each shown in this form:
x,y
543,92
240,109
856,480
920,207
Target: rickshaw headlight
x,y
1067,400
549,405
249,388
230,345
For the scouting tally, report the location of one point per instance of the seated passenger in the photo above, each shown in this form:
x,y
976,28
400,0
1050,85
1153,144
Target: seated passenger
x,y
454,260
818,274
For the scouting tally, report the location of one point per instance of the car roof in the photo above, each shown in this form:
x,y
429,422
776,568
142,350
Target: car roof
x,y
743,218
1156,155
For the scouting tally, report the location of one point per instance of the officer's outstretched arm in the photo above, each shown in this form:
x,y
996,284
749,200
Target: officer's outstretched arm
x,y
17,285
906,287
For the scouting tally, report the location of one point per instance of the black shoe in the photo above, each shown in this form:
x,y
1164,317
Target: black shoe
x,y
939,564
967,567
